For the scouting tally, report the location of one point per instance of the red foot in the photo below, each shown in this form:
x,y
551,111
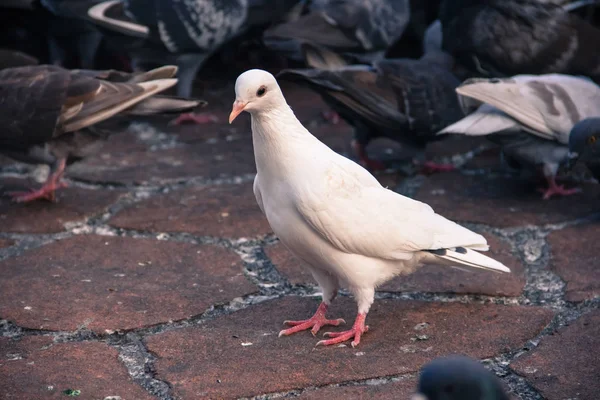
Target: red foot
x,y
554,189
355,333
194,118
364,160
429,167
316,322
332,117
47,191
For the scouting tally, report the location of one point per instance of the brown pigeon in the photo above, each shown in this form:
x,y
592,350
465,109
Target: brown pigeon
x,y
402,99
44,110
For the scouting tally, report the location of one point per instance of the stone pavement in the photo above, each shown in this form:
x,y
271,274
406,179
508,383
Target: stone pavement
x,y
155,275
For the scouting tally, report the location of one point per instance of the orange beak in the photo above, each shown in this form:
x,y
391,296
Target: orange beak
x,y
238,107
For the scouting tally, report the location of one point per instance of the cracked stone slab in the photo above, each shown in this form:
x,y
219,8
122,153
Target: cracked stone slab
x,y
565,364
201,160
241,355
430,278
116,283
575,259
223,211
502,202
6,243
72,205
35,368
380,390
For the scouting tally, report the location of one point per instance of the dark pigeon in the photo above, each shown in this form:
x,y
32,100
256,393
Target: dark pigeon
x,y
405,100
342,26
458,378
584,144
45,111
501,38
184,32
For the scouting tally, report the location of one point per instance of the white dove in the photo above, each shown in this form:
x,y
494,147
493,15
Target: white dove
x,y
332,214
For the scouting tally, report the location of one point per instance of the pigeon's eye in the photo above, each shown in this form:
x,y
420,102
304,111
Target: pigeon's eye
x,y
261,91
592,139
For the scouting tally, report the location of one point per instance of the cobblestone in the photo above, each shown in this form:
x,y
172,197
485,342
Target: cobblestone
x,y
155,275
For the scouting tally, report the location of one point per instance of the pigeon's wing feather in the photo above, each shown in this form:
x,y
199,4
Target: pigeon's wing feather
x,y
356,215
486,120
425,93
111,99
357,93
548,105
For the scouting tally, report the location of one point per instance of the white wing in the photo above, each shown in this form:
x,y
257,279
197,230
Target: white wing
x,y
377,222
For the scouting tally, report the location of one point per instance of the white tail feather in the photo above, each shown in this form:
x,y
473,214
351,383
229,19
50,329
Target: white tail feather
x,y
473,259
482,122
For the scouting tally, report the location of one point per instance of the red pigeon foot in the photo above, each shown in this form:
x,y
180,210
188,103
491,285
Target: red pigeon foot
x,y
47,191
315,322
355,333
558,190
332,117
430,167
194,119
364,160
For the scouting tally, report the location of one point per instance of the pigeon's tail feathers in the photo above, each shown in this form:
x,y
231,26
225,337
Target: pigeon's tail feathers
x,y
164,104
482,123
470,258
106,109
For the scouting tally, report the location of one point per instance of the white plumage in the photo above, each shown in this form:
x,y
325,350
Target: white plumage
x,y
332,214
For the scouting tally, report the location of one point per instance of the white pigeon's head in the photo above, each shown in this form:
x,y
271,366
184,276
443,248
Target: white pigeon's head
x,y
255,90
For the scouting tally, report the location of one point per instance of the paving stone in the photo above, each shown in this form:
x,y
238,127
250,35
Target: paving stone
x,y
455,145
565,365
72,205
575,259
430,278
34,368
241,355
105,282
6,243
393,390
202,160
502,202
223,211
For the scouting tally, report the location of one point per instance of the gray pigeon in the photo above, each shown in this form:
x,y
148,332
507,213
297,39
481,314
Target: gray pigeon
x,y
458,378
584,144
501,38
184,32
530,116
45,109
402,99
343,26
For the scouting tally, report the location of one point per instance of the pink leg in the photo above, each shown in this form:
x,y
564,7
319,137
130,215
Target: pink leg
x,y
364,159
47,190
430,167
355,333
194,118
332,117
554,189
315,322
